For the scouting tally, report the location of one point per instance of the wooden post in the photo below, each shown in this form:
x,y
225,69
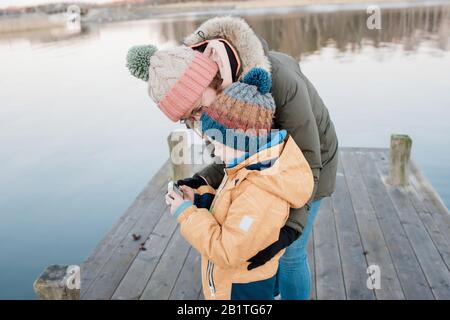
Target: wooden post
x,y
399,155
58,283
179,155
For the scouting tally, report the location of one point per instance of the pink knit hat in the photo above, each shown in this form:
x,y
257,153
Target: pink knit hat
x,y
176,78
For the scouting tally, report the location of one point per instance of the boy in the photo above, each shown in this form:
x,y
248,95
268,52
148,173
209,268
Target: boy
x,y
265,174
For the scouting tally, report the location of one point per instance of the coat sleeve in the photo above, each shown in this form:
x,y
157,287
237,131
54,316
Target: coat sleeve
x,y
204,196
294,113
213,174
244,232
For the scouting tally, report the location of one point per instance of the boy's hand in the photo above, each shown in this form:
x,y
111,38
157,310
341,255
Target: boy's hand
x,y
174,201
188,193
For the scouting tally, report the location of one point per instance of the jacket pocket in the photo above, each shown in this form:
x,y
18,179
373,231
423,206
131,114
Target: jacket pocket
x,y
210,278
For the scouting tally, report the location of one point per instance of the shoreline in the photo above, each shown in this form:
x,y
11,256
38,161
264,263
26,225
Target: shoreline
x,y
281,7
54,15
190,6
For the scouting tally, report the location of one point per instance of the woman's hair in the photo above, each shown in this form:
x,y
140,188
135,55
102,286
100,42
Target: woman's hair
x,y
235,63
216,82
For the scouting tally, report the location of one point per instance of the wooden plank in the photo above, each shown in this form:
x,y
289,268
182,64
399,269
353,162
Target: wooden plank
x,y
132,213
312,267
431,201
140,271
189,283
117,265
354,263
437,237
377,252
102,252
329,279
167,271
430,208
403,256
434,229
432,264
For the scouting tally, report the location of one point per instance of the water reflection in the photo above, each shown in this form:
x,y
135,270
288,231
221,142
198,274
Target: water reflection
x,y
54,35
297,34
304,33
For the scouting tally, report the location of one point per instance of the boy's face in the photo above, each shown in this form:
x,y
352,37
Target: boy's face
x,y
225,153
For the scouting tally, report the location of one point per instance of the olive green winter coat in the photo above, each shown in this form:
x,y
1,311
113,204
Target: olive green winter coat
x,y
299,108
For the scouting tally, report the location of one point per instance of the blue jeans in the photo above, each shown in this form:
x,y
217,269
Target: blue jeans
x,y
294,276
257,290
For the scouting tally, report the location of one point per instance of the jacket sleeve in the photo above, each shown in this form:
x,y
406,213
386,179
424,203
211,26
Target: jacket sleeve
x,y
242,234
294,114
213,174
204,196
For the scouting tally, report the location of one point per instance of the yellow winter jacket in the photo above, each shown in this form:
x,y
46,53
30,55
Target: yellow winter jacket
x,y
249,209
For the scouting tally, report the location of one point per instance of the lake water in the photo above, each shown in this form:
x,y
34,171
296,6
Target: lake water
x,y
80,138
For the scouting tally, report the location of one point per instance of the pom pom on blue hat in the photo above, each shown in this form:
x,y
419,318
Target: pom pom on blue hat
x,y
260,78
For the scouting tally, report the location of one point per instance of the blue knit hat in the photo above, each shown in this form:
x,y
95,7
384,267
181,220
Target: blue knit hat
x,y
242,114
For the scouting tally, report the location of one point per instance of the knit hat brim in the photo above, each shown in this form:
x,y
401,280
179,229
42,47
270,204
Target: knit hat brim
x,y
188,89
248,141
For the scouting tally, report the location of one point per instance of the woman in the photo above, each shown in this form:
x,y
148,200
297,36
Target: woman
x,y
299,110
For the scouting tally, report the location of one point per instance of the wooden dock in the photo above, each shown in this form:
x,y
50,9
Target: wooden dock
x,y
405,231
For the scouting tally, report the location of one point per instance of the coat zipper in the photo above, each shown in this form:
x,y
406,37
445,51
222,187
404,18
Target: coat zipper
x,y
210,278
210,265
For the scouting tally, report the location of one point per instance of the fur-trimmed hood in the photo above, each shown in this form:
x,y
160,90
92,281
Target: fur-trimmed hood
x,y
239,34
